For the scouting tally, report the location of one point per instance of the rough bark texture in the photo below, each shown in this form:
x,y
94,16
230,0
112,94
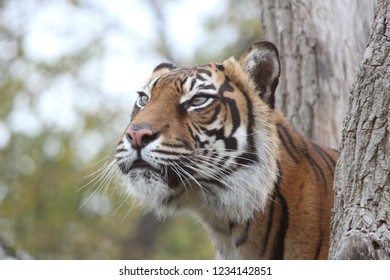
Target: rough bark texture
x,y
361,222
321,44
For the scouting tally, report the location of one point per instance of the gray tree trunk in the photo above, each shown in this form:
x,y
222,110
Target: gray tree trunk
x,y
361,220
320,45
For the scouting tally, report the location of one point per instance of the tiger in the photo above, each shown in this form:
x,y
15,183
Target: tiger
x,y
206,141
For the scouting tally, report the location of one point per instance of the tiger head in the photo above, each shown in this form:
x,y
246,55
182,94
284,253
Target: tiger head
x,y
202,139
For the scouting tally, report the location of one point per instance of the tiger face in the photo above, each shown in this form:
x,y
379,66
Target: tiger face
x,y
202,140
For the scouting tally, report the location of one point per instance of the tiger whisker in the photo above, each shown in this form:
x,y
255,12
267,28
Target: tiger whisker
x,y
217,174
106,173
192,178
177,172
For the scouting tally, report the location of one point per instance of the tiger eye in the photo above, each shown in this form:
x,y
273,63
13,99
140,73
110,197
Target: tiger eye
x,y
197,101
143,100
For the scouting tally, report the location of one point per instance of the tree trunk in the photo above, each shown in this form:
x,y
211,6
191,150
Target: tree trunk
x,y
320,45
361,221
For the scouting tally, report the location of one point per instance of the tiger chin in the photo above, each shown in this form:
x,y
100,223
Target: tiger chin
x,y
207,141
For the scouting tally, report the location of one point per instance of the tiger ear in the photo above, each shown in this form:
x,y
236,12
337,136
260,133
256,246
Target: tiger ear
x,y
261,61
166,66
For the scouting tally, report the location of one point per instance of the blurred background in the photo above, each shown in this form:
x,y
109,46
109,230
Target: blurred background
x,y
69,70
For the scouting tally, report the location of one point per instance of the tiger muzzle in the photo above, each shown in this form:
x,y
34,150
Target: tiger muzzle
x,y
140,135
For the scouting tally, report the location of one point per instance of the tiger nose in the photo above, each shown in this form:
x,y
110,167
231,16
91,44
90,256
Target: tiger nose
x,y
140,135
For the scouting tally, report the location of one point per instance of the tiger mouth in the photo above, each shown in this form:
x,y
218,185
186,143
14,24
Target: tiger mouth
x,y
137,164
166,173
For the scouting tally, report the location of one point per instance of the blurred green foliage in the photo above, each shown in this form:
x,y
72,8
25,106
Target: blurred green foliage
x,y
44,208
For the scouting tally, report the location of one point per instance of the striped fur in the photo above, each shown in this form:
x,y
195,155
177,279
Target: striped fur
x,y
206,141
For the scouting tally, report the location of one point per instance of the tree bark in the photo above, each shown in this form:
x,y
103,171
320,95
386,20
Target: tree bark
x,y
361,219
320,45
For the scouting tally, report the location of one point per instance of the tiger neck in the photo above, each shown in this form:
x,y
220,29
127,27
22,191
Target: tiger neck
x,y
251,239
225,237
234,241
247,239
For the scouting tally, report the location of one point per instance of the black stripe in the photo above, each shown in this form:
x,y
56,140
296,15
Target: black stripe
x,y
168,153
244,237
225,87
206,87
182,82
164,65
185,143
267,232
290,153
251,150
220,67
289,138
231,143
317,169
232,225
193,82
214,117
185,147
236,120
245,159
195,130
330,168
328,158
278,250
205,71
200,144
199,77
